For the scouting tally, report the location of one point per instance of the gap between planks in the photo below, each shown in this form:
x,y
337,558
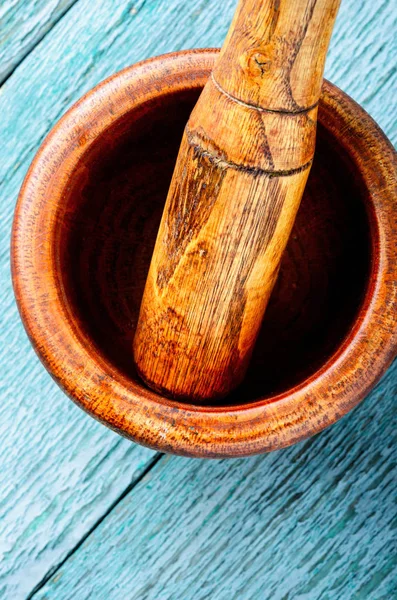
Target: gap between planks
x,y
40,38
124,493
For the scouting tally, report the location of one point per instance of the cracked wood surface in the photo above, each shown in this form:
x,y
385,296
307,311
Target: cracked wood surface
x,y
23,26
61,471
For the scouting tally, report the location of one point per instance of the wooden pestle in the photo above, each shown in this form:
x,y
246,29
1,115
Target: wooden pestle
x,y
241,171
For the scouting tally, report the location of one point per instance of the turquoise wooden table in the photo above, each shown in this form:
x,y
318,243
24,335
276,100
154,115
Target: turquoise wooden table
x,y
85,513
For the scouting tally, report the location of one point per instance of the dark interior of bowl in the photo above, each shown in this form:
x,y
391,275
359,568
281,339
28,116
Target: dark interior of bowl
x,y
108,226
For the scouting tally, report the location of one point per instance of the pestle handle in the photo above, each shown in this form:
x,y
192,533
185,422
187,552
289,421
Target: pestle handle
x,y
241,170
274,53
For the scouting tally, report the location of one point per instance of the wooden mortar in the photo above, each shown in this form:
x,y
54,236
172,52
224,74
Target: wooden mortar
x,y
83,236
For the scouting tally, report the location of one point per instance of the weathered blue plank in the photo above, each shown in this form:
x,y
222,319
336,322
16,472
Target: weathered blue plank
x,y
60,470
315,521
362,58
23,25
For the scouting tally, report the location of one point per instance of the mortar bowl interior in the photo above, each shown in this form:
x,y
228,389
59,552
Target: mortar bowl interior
x,y
103,229
115,203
